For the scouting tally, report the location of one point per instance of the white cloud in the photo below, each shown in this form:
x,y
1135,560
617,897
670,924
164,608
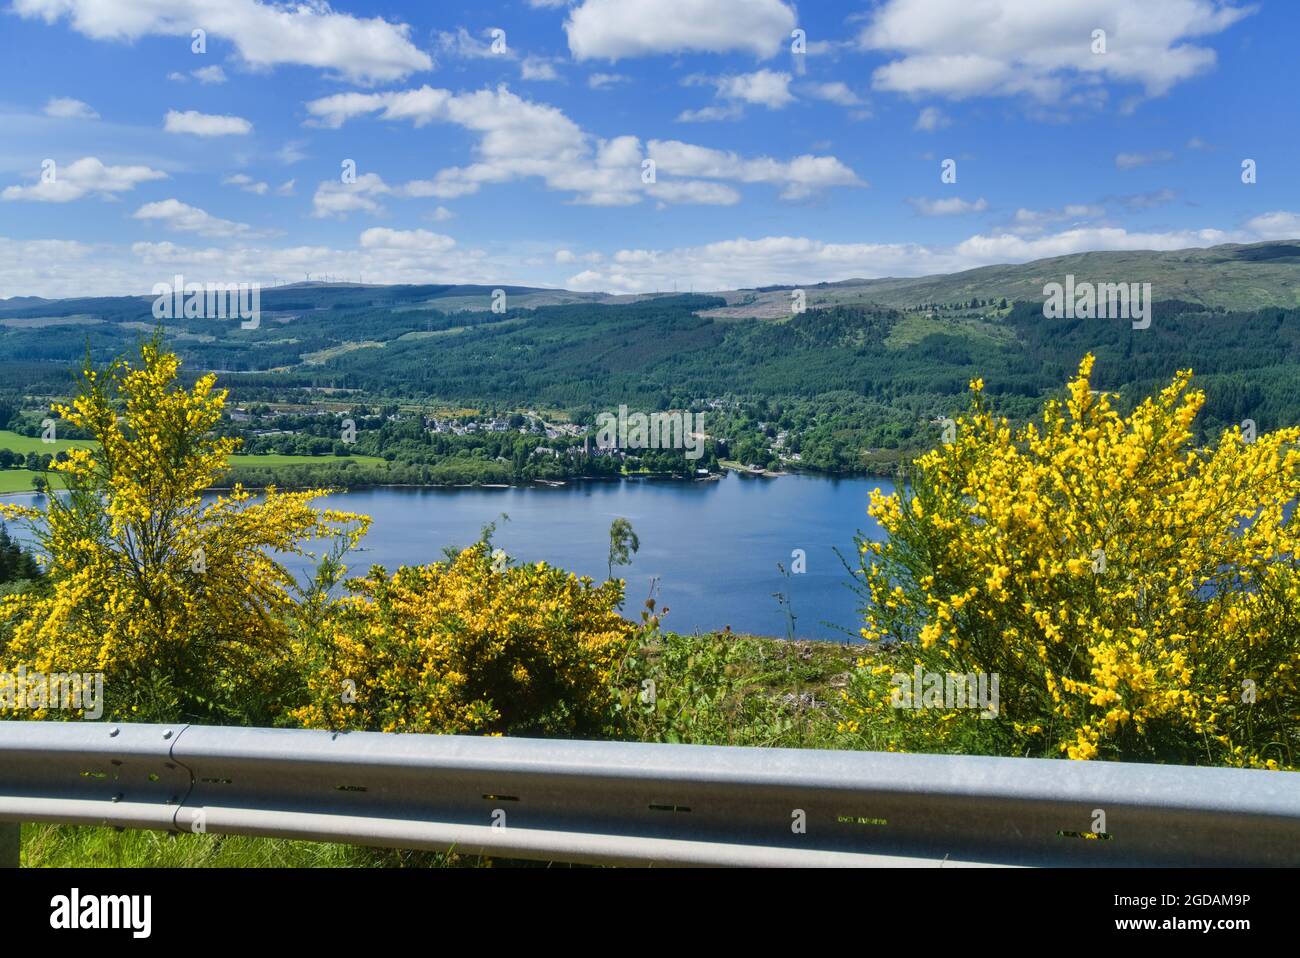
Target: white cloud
x,y
51,267
601,81
931,119
81,177
836,92
406,241
286,188
441,214
247,184
463,44
1276,225
183,218
960,48
336,198
1128,161
538,68
66,108
616,29
797,178
951,206
205,124
310,34
521,139
1029,222
711,114
290,154
766,87
210,75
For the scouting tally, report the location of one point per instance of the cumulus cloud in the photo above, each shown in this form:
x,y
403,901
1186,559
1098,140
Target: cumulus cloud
x,y
183,218
1278,224
959,49
797,178
764,87
336,198
82,177
66,108
618,29
368,49
205,124
522,139
406,241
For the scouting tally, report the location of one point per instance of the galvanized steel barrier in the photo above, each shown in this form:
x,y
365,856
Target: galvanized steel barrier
x,y
644,804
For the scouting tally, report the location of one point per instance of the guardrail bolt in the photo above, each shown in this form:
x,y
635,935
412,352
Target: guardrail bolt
x,y
113,731
167,733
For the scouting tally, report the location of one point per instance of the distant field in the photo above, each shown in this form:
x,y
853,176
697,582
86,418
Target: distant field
x,y
39,322
25,444
324,355
20,480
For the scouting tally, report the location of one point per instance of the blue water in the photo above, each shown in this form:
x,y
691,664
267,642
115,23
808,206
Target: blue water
x,y
713,546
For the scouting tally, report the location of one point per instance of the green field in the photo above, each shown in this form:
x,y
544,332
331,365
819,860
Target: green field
x,y
20,480
25,444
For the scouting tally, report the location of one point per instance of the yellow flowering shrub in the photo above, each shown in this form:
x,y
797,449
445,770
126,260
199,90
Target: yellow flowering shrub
x,y
1137,595
179,602
468,645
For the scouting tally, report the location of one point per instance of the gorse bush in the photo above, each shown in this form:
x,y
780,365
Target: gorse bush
x,y
176,600
1137,596
472,645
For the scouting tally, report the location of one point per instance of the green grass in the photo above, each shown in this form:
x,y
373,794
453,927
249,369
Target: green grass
x,y
78,846
20,480
16,442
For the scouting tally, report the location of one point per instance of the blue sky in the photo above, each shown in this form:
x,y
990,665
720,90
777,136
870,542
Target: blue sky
x,y
528,163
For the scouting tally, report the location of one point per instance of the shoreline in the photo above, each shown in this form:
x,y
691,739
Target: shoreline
x,y
741,471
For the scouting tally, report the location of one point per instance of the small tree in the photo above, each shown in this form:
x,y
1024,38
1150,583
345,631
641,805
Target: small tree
x,y
179,602
623,544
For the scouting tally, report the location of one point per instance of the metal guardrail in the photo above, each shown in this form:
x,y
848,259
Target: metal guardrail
x,y
633,803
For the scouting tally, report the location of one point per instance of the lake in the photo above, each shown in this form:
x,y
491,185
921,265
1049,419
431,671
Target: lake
x,y
713,546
